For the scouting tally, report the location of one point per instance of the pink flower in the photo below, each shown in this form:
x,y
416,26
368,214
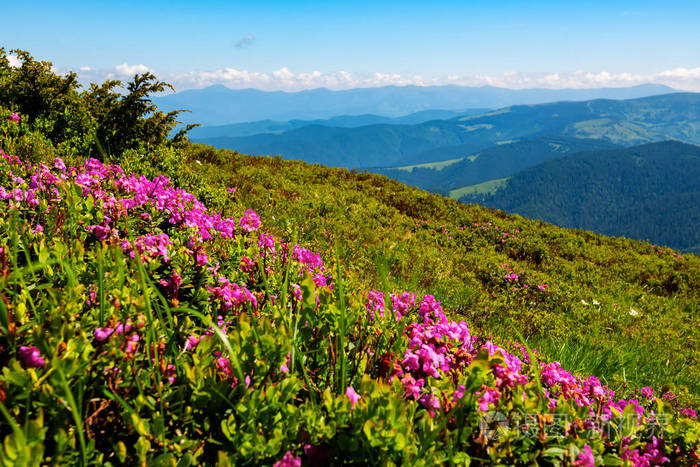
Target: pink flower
x,y
132,343
102,334
490,395
585,458
171,373
31,357
225,365
15,118
192,342
647,392
430,402
353,396
250,221
285,366
375,302
459,393
320,280
202,258
58,164
289,460
296,291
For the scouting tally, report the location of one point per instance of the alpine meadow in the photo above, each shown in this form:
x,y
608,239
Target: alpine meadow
x,y
400,274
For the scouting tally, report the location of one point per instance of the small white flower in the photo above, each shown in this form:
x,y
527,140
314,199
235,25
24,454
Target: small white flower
x,y
197,161
596,302
585,303
633,312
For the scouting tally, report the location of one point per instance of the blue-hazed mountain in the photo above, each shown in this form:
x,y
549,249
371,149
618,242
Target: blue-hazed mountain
x,y
623,122
342,121
648,192
219,105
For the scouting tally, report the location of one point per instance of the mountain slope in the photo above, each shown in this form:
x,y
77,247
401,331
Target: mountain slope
x,y
300,358
628,122
498,161
645,192
219,105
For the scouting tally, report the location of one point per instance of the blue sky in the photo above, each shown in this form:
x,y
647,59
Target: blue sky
x,y
295,45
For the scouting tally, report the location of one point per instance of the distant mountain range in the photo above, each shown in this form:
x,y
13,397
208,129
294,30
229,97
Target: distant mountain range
x,y
342,121
219,105
621,122
644,192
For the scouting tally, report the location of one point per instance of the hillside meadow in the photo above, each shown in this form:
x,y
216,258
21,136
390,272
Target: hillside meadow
x,y
168,303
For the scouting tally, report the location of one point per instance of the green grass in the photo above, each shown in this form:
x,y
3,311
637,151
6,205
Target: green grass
x,y
484,188
430,165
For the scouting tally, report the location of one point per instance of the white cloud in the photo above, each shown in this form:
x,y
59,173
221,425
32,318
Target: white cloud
x,y
130,70
284,79
14,61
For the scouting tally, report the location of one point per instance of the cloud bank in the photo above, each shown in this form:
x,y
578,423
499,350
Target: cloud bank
x,y
283,79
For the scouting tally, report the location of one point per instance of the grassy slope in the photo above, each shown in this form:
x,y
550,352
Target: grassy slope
x,y
437,166
385,231
499,161
484,188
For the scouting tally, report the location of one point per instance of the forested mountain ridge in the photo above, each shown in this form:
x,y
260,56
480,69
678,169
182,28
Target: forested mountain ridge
x,y
648,192
499,161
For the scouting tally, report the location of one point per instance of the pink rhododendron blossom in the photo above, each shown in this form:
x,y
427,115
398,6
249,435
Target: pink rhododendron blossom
x,y
488,396
375,302
250,221
201,258
430,402
102,334
15,118
171,373
232,295
285,366
647,392
225,365
309,260
289,460
651,454
402,303
132,343
353,396
585,458
320,280
59,165
192,342
31,357
296,292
